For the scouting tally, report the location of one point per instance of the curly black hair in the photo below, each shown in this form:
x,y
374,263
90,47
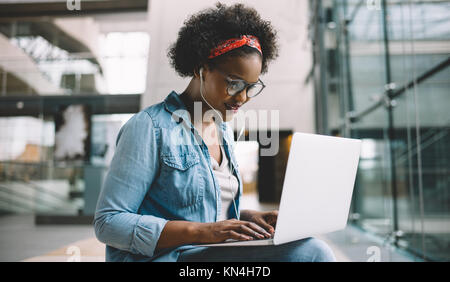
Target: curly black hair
x,y
206,29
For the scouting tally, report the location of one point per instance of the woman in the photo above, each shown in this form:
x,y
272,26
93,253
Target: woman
x,y
174,181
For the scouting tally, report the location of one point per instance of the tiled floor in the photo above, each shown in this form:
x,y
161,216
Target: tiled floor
x,y
350,244
21,240
87,250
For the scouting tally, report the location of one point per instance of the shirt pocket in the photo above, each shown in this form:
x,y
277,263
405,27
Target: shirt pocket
x,y
182,183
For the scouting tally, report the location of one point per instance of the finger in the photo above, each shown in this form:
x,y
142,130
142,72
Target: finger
x,y
249,231
259,226
230,234
252,229
268,228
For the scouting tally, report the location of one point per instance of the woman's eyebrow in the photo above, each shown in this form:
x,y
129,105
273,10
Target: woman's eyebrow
x,y
237,76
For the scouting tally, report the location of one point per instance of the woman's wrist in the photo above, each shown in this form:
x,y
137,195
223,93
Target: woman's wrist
x,y
195,232
191,233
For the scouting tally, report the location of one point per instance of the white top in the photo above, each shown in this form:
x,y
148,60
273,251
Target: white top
x,y
227,183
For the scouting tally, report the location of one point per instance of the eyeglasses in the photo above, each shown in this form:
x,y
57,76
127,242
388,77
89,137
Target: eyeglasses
x,y
236,86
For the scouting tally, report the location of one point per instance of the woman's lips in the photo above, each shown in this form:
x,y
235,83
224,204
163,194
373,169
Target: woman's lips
x,y
232,107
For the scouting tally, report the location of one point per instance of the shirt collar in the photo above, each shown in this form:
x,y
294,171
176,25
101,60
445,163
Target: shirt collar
x,y
173,104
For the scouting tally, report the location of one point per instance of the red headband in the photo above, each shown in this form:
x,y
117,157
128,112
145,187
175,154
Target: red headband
x,y
234,43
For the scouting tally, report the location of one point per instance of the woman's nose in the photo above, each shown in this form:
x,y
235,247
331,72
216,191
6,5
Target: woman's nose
x,y
241,97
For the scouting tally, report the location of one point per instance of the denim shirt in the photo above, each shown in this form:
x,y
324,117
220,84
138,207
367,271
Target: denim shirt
x,y
161,171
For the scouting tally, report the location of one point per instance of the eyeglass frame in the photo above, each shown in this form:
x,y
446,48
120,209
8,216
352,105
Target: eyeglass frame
x,y
229,80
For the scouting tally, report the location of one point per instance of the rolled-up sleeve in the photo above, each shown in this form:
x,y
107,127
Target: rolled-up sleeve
x,y
132,170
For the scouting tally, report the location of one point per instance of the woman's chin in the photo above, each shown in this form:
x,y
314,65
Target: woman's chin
x,y
229,115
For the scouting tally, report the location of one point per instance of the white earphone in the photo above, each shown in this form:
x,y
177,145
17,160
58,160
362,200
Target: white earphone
x,y
204,99
240,134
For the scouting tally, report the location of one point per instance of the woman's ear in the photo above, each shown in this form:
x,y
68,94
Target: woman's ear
x,y
199,71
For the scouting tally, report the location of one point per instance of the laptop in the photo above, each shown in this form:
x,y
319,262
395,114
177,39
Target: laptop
x,y
317,189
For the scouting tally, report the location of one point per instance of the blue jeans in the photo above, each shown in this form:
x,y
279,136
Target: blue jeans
x,y
305,250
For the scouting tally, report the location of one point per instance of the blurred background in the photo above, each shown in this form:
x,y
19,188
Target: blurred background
x,y
73,72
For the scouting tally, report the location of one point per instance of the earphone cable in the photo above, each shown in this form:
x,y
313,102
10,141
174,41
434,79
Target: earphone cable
x,y
231,168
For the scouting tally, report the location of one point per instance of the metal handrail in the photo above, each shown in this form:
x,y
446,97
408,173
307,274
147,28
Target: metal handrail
x,y
392,93
61,165
34,200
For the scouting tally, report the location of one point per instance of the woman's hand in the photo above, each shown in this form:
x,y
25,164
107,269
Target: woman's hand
x,y
267,220
221,231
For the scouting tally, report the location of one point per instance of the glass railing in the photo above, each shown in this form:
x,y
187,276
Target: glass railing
x,y
41,188
74,75
34,180
388,73
46,189
55,56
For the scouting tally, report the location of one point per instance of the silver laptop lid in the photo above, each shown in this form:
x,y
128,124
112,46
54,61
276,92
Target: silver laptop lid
x,y
318,186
